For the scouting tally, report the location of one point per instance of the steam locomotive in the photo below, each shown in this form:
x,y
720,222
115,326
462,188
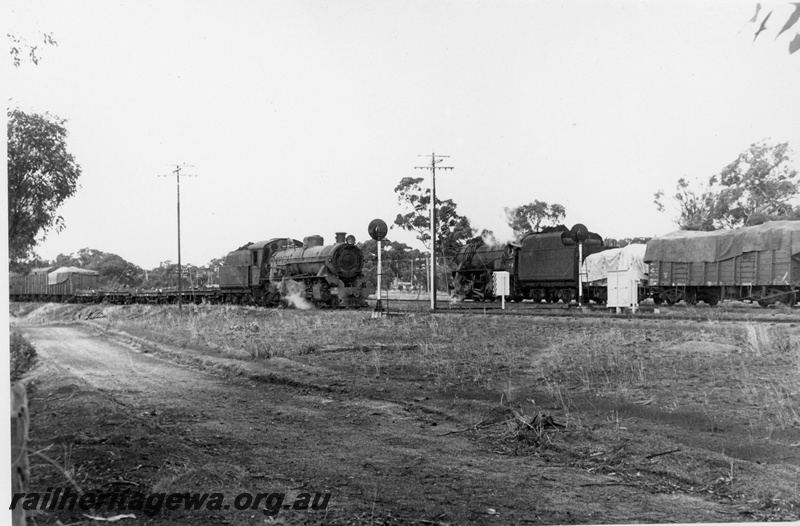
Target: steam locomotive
x,y
542,265
272,272
283,269
759,264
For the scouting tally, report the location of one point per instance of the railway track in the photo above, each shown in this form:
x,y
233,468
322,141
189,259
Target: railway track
x,y
680,312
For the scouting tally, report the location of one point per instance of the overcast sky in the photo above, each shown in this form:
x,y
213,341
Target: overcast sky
x,y
300,117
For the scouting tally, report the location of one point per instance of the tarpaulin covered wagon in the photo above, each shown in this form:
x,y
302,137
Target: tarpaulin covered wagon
x,y
48,283
758,263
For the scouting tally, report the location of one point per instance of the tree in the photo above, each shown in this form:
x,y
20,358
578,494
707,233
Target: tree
x,y
452,229
696,207
758,186
624,242
398,260
533,216
20,48
42,174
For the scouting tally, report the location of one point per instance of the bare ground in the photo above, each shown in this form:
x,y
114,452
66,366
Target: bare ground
x,y
120,412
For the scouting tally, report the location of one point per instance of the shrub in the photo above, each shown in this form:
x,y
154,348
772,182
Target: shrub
x,y
23,356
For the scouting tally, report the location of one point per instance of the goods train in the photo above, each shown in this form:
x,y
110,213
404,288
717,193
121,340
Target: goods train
x,y
758,264
279,270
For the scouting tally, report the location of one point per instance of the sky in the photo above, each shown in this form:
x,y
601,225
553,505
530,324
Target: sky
x,y
301,117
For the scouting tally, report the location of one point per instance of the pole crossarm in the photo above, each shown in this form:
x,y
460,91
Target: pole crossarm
x,y
435,160
178,175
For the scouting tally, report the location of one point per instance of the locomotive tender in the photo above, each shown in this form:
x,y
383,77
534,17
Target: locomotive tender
x,y
542,265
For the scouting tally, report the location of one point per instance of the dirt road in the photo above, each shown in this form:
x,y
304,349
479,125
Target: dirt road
x,y
116,417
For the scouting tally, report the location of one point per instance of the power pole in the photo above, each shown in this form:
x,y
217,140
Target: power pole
x,y
435,159
178,174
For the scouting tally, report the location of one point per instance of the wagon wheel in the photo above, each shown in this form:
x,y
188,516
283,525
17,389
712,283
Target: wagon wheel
x,y
711,300
790,298
671,296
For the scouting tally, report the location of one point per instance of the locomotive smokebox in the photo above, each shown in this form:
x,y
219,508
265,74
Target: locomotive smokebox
x,y
313,241
340,237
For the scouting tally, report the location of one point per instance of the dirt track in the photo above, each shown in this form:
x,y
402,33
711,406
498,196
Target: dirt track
x,y
113,415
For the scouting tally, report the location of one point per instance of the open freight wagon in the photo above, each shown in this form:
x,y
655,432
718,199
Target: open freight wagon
x,y
759,263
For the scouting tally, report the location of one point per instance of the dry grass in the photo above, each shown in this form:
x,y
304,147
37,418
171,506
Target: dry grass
x,y
778,395
22,355
715,363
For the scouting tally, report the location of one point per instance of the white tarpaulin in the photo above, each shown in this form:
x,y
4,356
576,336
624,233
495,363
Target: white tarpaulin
x,y
631,257
63,274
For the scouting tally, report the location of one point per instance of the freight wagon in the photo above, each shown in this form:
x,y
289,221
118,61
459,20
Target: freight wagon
x,y
759,263
61,284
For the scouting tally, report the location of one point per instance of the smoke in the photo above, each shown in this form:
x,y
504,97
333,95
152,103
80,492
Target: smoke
x,y
489,239
294,294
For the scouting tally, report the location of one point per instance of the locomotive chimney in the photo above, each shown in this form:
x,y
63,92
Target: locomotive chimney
x,y
340,237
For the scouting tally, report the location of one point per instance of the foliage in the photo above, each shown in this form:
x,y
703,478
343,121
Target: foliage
x,y
794,45
452,230
118,273
696,207
398,261
41,176
22,355
624,242
165,275
531,217
20,48
756,187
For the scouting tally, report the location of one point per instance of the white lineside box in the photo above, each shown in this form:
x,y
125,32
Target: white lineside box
x,y
501,283
623,289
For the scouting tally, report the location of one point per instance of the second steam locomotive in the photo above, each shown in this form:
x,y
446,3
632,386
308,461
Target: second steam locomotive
x,y
542,265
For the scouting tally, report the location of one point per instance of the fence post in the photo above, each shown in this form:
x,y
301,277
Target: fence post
x,y
19,448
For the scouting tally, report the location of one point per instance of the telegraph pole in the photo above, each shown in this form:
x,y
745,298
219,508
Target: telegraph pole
x,y
435,159
178,174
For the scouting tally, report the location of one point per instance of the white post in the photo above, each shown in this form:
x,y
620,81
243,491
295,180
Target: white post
x,y
580,273
378,312
380,271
